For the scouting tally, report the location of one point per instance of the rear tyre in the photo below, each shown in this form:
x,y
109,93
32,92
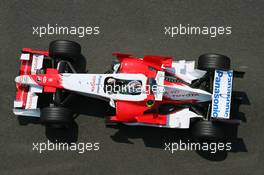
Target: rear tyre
x,y
207,130
56,117
212,61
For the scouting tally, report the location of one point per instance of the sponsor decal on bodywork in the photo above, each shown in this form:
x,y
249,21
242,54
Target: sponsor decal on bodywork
x,y
93,83
222,91
99,83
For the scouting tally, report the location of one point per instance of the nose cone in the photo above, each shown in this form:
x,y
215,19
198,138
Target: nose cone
x,y
18,79
25,79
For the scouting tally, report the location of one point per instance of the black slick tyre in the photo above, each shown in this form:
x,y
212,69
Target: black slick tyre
x,y
69,51
212,61
207,130
56,116
64,49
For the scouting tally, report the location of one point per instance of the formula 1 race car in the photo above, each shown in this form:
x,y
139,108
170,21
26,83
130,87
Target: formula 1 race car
x,y
151,91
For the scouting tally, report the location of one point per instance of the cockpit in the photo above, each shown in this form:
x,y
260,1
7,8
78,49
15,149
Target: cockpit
x,y
114,85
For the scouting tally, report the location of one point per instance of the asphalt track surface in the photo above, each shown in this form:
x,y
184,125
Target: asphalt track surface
x,y
137,28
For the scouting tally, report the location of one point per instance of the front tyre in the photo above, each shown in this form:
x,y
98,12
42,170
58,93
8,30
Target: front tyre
x,y
64,49
69,51
56,117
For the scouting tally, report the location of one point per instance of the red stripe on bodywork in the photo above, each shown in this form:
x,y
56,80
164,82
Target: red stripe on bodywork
x,y
152,119
41,52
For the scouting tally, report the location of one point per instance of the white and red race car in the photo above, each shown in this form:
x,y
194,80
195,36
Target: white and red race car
x,y
151,91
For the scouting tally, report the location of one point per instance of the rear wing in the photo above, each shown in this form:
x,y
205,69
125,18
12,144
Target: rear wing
x,y
25,102
222,91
